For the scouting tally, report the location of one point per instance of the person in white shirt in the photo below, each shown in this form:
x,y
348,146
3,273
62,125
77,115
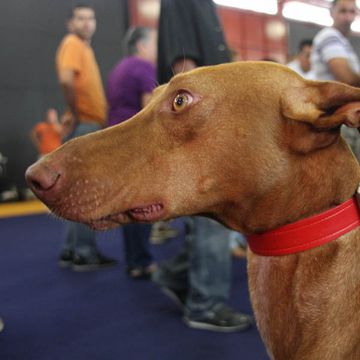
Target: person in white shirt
x,y
301,64
334,57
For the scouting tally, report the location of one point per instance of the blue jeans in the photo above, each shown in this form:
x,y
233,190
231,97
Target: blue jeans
x,y
136,243
203,267
79,238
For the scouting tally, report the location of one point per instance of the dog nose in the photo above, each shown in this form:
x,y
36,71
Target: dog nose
x,y
41,178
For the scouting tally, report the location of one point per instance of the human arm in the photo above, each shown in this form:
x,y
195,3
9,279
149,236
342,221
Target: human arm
x,y
57,126
67,83
66,124
342,71
69,63
35,138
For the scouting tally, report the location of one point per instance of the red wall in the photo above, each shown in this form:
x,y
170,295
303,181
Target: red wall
x,y
245,32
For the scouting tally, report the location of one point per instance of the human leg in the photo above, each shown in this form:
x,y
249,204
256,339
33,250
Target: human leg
x,y
79,249
136,244
210,266
67,254
172,275
199,277
210,279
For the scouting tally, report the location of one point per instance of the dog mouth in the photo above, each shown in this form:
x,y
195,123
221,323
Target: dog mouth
x,y
144,214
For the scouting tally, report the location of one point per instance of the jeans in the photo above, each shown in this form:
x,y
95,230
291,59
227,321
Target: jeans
x,y
203,267
136,243
79,238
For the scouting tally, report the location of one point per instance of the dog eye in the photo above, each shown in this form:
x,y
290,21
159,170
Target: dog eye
x,y
181,101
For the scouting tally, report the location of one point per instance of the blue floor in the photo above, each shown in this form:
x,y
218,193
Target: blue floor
x,y
57,314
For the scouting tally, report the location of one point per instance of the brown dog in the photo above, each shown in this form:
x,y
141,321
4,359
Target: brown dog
x,y
254,146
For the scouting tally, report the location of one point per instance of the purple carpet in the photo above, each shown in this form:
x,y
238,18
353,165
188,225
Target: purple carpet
x,y
56,314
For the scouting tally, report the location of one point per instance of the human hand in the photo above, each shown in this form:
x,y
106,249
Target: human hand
x,y
68,122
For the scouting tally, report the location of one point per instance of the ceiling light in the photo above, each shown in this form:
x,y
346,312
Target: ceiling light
x,y
262,6
295,10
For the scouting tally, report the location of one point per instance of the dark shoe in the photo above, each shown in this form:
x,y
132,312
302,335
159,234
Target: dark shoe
x,y
177,296
141,273
222,319
81,263
66,259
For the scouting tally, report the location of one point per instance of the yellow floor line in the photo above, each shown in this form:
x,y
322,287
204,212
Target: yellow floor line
x,y
22,208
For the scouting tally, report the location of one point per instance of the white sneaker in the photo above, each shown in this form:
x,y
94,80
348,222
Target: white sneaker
x,y
162,231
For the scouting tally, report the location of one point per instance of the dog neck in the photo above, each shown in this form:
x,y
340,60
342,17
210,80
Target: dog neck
x,y
308,233
315,184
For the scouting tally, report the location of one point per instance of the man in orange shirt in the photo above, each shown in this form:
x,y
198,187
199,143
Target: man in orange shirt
x,y
80,80
46,135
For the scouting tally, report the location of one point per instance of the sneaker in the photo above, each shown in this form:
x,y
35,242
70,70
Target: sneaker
x,y
221,319
141,273
66,258
162,231
81,263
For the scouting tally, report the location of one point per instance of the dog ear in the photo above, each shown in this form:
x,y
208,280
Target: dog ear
x,y
316,111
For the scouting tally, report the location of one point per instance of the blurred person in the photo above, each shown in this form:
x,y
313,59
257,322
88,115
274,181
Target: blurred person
x,y
301,63
129,89
133,79
47,134
334,57
199,277
136,71
178,49
80,80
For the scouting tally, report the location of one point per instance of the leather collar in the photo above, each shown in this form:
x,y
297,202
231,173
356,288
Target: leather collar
x,y
308,233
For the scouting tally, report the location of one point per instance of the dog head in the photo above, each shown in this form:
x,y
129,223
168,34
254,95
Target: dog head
x,y
221,141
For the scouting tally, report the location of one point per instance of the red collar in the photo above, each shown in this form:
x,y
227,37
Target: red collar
x,y
308,233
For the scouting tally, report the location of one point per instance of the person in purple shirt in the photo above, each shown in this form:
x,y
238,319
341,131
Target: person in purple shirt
x,y
129,89
132,80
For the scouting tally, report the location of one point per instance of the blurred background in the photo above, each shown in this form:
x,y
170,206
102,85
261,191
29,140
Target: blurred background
x,y
32,30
